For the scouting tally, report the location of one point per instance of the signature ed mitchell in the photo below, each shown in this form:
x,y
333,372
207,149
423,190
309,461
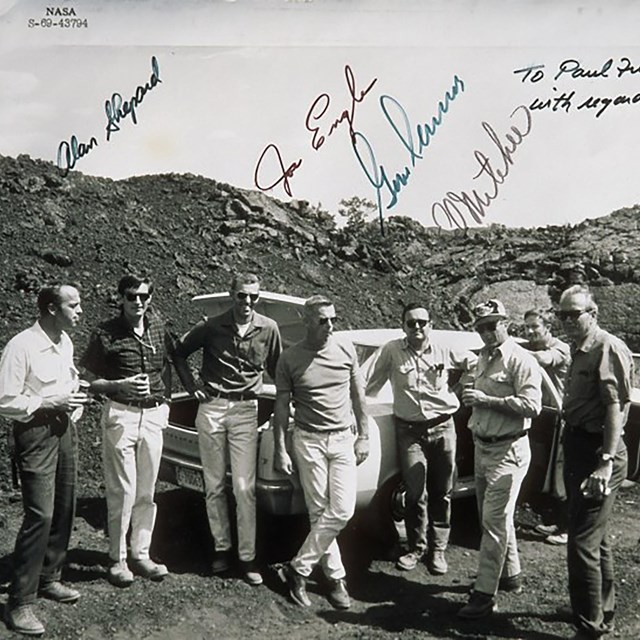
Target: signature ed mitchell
x,y
116,110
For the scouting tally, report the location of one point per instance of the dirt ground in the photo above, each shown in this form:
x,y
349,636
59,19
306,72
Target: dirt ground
x,y
190,604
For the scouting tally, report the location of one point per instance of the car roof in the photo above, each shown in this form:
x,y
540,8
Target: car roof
x,y
377,337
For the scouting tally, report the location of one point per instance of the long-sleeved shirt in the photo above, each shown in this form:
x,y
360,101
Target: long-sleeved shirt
x,y
558,354
231,363
419,380
33,368
511,373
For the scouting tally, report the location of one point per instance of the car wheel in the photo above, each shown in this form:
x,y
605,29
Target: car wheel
x,y
386,513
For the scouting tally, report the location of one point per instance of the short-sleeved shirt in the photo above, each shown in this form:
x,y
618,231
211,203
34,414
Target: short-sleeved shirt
x,y
319,382
232,363
115,352
419,380
560,354
600,374
33,368
512,373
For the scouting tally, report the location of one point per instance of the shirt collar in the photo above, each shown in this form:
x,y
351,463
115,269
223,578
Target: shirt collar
x,y
588,343
504,349
408,347
257,320
44,342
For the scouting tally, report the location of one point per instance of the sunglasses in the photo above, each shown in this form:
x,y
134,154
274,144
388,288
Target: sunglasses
x,y
325,320
419,322
574,314
253,297
487,326
131,297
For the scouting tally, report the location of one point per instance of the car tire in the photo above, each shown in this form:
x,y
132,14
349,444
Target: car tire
x,y
385,513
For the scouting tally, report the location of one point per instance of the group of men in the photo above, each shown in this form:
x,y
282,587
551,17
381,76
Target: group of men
x,y
128,360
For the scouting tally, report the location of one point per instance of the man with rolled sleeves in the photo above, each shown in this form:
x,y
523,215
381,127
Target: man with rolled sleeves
x,y
595,409
418,367
128,358
39,392
505,395
237,347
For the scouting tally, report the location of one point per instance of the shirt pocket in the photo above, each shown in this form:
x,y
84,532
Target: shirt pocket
x,y
407,374
46,371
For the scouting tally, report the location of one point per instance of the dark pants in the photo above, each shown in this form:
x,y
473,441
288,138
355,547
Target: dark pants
x,y
427,459
46,459
589,554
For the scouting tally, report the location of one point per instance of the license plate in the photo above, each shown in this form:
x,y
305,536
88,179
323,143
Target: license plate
x,y
190,479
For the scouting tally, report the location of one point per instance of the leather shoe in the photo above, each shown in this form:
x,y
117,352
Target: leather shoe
x,y
221,562
338,594
408,561
557,539
58,592
437,563
250,572
511,584
149,569
547,529
480,605
120,575
23,620
297,584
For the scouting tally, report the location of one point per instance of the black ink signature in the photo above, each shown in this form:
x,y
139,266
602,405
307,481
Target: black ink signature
x,y
284,175
70,152
117,109
475,203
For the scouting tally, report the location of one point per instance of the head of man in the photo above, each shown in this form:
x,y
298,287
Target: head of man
x,y
536,328
135,297
416,324
319,320
578,312
59,307
491,322
245,292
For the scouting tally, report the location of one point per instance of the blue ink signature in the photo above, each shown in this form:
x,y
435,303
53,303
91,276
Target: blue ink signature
x,y
376,173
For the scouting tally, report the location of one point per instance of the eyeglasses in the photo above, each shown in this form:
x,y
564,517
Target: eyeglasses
x,y
253,297
487,326
131,297
325,320
573,314
418,322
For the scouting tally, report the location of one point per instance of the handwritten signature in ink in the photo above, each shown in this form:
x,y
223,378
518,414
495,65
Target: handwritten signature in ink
x,y
455,206
70,152
272,151
387,183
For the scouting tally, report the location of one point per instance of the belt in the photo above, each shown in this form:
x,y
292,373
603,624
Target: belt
x,y
144,403
577,430
231,395
321,431
504,438
425,424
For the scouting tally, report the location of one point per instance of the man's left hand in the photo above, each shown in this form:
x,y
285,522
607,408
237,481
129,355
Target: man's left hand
x,y
597,484
361,448
474,397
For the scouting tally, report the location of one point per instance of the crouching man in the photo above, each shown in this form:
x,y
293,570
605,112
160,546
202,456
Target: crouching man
x,y
321,375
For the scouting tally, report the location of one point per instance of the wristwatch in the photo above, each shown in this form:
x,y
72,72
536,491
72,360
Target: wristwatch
x,y
607,457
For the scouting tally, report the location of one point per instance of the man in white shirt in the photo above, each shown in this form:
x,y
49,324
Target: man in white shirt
x,y
39,391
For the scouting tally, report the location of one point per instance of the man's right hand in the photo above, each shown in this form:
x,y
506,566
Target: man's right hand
x,y
135,386
282,462
66,402
200,395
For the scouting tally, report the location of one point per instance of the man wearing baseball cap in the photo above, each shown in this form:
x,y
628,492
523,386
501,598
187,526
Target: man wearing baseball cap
x,y
505,395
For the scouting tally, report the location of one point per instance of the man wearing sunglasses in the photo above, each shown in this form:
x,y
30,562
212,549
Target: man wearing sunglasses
x,y
237,347
595,409
321,376
505,395
128,358
418,367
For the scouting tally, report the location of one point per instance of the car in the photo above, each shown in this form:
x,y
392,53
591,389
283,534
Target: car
x,y
380,488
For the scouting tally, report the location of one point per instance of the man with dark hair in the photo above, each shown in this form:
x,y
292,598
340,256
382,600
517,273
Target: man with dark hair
x,y
322,377
505,395
237,346
595,409
553,356
418,367
39,391
128,357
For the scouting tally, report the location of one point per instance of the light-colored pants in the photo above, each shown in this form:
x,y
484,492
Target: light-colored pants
x,y
499,471
229,426
131,450
326,464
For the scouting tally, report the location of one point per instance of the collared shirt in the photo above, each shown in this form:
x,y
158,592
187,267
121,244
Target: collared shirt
x,y
419,380
231,363
560,354
509,372
600,374
115,352
32,368
319,382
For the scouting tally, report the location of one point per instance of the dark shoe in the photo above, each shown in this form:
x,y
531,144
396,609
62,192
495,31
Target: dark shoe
x,y
23,620
480,605
221,562
250,572
565,612
338,595
437,563
58,592
408,561
149,569
297,584
511,584
120,575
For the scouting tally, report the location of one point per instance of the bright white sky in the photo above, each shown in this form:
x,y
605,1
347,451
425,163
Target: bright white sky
x,y
239,76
